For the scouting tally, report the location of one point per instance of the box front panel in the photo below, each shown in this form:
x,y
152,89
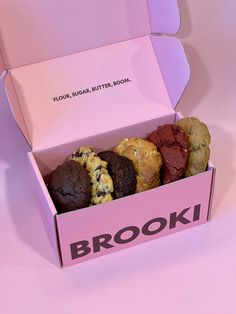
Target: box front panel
x,y
102,229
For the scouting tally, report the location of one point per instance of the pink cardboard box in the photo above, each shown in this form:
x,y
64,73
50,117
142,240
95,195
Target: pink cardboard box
x,y
91,73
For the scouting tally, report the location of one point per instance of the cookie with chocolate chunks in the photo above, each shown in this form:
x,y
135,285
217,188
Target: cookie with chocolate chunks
x,y
199,140
102,184
122,172
146,159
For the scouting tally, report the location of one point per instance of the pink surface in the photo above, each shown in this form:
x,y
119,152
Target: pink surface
x,y
189,272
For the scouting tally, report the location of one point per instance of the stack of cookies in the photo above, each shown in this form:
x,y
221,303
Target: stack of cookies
x,y
171,152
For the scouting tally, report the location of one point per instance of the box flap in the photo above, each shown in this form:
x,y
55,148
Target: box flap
x,y
164,16
47,207
34,31
173,64
88,93
15,107
2,67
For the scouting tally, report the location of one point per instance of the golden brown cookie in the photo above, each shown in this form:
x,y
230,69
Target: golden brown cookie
x,y
102,184
199,139
146,159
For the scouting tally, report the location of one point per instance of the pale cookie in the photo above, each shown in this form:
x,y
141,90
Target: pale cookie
x,y
102,184
199,139
146,159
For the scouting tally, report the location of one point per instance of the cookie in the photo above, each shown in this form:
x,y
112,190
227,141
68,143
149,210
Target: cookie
x,y
70,187
107,155
172,142
146,159
82,154
122,172
199,139
102,185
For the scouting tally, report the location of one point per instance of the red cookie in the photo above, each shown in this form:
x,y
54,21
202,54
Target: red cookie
x,y
172,143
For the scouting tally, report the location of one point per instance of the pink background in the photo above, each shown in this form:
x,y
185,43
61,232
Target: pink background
x,y
189,272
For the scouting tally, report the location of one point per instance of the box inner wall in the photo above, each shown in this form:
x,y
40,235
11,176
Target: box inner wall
x,y
48,159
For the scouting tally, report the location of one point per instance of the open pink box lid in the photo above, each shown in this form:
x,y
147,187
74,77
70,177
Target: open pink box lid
x,y
53,48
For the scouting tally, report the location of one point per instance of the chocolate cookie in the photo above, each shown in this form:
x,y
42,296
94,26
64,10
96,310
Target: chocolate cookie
x,y
102,185
70,187
172,143
146,159
122,172
199,139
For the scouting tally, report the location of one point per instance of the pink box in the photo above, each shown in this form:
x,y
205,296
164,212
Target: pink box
x,y
91,73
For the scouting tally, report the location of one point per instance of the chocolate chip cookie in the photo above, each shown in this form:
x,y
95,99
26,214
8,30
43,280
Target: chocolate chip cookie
x,y
70,187
102,185
172,142
122,172
146,159
199,139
